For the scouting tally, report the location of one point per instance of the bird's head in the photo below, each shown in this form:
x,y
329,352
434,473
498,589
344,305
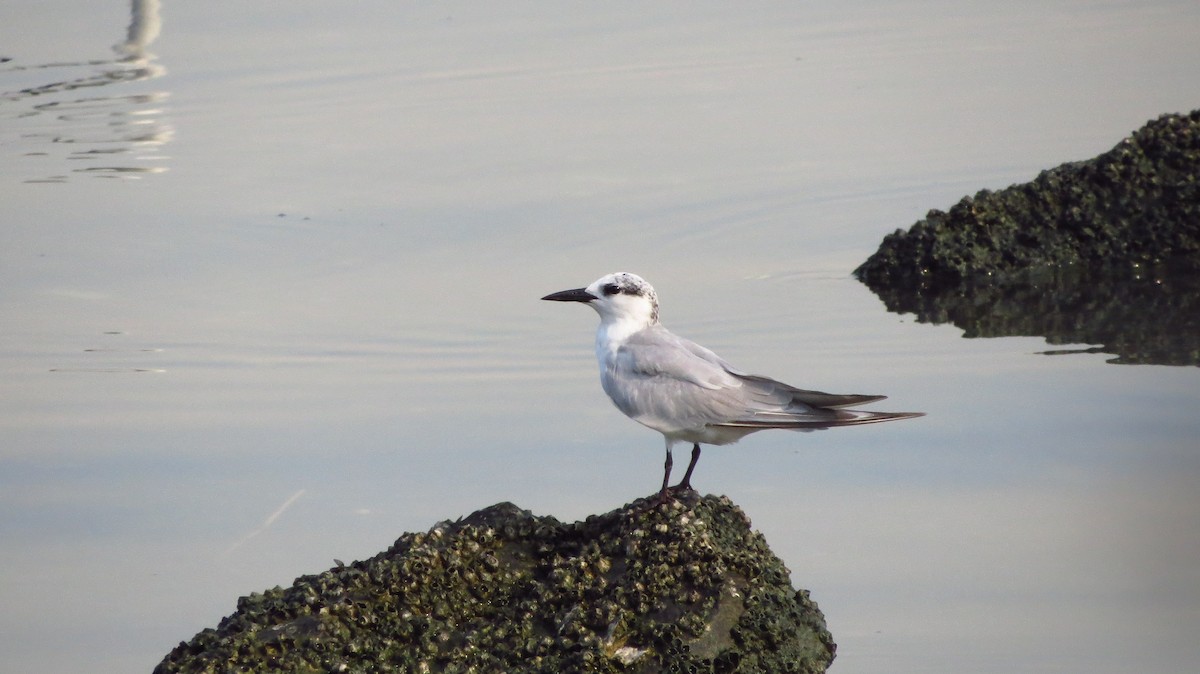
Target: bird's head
x,y
618,297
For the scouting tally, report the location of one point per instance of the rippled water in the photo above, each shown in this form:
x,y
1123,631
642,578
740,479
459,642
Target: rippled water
x,y
271,274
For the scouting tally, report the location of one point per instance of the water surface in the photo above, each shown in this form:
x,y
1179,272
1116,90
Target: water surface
x,y
271,274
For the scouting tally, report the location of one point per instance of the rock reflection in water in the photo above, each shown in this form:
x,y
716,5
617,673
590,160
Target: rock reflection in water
x,y
1143,317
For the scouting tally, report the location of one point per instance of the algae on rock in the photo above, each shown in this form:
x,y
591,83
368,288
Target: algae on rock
x,y
1136,205
688,587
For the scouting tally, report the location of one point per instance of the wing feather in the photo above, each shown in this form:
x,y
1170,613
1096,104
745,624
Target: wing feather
x,y
674,385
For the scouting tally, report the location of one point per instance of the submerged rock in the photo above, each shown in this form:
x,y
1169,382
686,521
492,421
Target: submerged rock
x,y
1137,204
682,588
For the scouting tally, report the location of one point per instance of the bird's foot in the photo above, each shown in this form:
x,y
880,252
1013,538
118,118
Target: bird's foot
x,y
665,497
682,487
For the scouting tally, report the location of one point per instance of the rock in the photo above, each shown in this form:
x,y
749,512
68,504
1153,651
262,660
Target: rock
x,y
683,588
1135,205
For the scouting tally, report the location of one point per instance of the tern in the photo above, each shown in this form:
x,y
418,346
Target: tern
x,y
687,392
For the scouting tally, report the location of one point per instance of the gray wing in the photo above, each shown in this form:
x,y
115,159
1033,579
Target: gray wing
x,y
670,383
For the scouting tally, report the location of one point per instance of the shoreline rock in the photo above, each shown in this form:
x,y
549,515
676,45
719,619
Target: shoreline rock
x,y
1135,206
684,588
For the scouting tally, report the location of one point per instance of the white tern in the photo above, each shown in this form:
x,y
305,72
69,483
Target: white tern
x,y
687,392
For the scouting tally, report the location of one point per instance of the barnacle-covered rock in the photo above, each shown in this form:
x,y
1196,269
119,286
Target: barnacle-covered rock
x,y
687,587
1135,206
1104,253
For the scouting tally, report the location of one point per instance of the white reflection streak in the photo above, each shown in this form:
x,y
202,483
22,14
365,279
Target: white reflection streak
x,y
144,26
266,523
114,125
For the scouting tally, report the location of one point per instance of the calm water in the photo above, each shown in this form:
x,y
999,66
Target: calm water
x,y
270,275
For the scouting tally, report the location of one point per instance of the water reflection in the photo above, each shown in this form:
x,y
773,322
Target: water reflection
x,y
1144,316
144,27
121,134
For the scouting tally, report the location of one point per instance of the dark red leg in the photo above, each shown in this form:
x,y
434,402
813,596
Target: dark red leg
x,y
686,483
665,495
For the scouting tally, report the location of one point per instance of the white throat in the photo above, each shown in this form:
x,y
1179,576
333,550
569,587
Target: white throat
x,y
613,333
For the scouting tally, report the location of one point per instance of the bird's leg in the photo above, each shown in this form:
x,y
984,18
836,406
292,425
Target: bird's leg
x,y
686,483
664,496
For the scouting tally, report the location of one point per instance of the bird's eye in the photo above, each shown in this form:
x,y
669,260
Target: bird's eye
x,y
612,289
